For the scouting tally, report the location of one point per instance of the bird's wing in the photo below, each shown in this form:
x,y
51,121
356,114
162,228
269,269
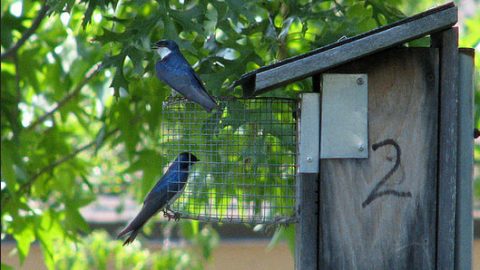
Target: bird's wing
x,y
175,71
159,191
182,79
155,200
175,78
200,82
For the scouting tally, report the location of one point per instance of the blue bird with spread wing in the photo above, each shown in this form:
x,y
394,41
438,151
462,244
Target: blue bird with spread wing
x,y
163,194
174,70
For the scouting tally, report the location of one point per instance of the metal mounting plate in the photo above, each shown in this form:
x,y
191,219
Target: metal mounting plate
x,y
344,130
309,133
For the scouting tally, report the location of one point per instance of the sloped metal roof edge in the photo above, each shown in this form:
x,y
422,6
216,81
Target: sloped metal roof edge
x,y
430,21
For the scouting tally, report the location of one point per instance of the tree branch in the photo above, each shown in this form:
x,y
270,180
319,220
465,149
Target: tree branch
x,y
62,160
16,126
36,23
67,98
26,186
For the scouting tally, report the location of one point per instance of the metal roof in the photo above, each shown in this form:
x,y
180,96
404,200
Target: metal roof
x,y
316,61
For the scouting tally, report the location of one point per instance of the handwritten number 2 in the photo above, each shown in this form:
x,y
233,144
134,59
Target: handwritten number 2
x,y
375,194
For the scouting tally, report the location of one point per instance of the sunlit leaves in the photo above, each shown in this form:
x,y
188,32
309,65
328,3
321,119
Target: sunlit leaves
x,y
12,24
275,30
73,219
119,80
286,234
99,251
92,5
60,5
24,236
188,19
8,167
37,172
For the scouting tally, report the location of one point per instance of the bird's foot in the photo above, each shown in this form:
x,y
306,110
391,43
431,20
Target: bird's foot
x,y
173,215
170,214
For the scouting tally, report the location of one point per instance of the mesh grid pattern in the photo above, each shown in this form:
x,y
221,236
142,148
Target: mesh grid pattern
x,y
247,153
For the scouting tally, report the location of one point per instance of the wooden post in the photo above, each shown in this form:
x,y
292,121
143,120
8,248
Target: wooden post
x,y
464,217
380,212
447,42
306,232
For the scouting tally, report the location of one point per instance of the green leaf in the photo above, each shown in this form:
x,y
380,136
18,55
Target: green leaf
x,y
129,133
60,6
119,82
137,57
113,60
186,18
9,24
24,239
74,219
283,233
7,165
47,230
92,5
6,267
189,228
110,36
208,239
149,161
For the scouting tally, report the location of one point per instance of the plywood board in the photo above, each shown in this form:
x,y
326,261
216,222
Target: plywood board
x,y
380,212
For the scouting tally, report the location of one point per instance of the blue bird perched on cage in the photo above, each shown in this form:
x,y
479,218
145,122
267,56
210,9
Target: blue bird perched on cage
x,y
174,70
164,193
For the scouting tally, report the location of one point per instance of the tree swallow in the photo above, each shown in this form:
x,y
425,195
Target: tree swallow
x,y
163,194
174,70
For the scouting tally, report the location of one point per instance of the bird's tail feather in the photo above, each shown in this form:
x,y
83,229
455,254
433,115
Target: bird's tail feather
x,y
137,223
124,231
131,237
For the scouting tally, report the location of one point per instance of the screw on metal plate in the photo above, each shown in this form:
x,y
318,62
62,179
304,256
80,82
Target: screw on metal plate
x,y
361,147
309,159
360,81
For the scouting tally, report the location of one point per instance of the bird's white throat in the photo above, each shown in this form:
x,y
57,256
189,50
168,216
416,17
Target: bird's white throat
x,y
163,52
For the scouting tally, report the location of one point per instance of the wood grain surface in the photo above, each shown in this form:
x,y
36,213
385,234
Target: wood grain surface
x,y
380,212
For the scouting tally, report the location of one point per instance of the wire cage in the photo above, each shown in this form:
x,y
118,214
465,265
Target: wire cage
x,y
247,152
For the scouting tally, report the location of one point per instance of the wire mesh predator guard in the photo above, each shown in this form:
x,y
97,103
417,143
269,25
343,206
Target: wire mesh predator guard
x,y
247,153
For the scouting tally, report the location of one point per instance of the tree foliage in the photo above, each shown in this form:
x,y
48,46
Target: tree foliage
x,y
80,102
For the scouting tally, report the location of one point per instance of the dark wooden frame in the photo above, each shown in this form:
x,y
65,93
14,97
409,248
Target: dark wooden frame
x,y
464,209
299,67
447,42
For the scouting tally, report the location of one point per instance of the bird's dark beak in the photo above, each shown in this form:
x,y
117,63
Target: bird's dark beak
x,y
158,44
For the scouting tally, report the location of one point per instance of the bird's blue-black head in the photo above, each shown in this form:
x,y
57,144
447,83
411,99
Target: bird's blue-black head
x,y
165,47
186,159
166,43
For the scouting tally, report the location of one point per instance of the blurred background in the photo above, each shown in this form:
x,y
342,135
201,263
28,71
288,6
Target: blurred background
x,y
80,122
